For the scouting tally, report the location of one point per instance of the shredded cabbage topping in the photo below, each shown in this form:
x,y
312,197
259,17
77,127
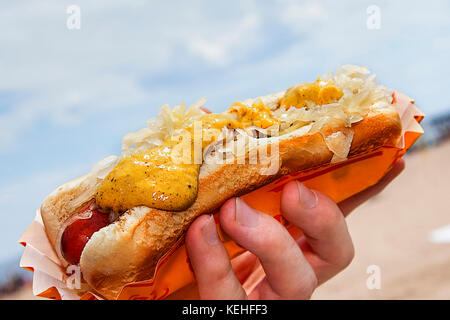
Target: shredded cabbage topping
x,y
169,122
361,94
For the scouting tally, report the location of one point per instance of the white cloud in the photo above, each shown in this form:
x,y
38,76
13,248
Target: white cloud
x,y
68,75
219,49
301,16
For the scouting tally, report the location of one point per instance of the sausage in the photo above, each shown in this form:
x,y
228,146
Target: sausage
x,y
78,233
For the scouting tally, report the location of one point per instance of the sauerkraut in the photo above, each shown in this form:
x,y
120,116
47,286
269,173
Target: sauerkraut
x,y
167,124
360,94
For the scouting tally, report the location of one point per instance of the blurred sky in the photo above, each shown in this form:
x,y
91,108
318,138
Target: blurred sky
x,y
68,96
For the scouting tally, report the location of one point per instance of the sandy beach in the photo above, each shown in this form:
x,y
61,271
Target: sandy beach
x,y
392,231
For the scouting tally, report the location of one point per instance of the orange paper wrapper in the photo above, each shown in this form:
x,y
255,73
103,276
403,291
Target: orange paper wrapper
x,y
173,276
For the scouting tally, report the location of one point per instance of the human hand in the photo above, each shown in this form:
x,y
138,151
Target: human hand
x,y
293,267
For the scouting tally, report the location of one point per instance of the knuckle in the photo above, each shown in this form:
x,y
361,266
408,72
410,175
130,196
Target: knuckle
x,y
221,272
323,225
265,247
328,220
343,257
268,236
270,243
347,256
306,287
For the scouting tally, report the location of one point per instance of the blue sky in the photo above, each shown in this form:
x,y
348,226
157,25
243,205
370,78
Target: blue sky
x,y
68,96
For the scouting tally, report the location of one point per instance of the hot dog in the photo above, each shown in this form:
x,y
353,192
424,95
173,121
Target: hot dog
x,y
118,220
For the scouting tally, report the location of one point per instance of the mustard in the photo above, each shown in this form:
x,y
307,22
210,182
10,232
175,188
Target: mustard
x,y
156,179
320,92
257,115
151,179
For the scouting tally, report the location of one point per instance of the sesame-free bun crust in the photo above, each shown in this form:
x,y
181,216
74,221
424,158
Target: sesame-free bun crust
x,y
129,249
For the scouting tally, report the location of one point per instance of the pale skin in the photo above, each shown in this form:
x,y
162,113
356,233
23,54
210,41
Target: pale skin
x,y
293,266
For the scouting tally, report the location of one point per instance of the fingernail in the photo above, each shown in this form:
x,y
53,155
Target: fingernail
x,y
308,198
245,215
209,232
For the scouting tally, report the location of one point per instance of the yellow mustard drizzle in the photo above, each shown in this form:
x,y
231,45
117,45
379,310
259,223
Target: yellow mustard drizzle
x,y
154,178
320,92
257,115
151,179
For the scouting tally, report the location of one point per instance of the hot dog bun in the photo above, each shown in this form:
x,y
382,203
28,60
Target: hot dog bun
x,y
128,249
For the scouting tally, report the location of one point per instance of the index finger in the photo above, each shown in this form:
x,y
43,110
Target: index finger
x,y
326,243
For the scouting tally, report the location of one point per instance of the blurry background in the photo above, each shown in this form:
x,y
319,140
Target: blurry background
x,y
67,96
